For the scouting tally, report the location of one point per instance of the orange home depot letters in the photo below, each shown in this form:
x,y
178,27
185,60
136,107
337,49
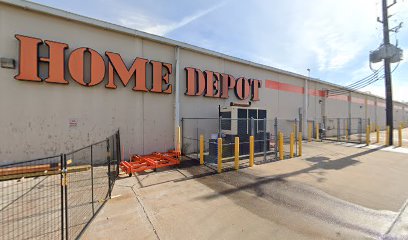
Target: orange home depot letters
x,y
198,83
29,67
217,85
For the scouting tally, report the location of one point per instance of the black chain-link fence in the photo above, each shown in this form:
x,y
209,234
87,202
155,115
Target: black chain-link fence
x,y
351,130
57,197
264,131
31,199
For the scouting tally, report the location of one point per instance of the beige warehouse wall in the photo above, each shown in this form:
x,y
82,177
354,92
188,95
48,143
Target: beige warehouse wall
x,y
35,116
381,113
270,98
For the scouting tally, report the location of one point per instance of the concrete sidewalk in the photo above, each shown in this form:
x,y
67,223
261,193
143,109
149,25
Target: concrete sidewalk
x,y
332,192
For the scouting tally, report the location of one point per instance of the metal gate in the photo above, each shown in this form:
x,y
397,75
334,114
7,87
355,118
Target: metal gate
x,y
58,196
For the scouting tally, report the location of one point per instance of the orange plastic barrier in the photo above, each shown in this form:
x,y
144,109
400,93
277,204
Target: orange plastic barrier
x,y
155,160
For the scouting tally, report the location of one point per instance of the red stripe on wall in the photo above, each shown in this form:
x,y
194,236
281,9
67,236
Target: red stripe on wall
x,y
283,86
318,93
272,84
296,89
291,88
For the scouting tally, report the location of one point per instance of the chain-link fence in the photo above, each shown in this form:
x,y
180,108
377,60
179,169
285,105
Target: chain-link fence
x,y
345,129
57,197
93,170
31,199
264,132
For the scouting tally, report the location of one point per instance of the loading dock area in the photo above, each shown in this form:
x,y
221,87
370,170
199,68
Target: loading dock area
x,y
334,190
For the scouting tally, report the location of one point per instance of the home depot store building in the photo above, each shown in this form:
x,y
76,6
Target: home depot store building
x,y
76,80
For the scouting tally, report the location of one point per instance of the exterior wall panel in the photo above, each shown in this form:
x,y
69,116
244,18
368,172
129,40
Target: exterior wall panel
x,y
36,116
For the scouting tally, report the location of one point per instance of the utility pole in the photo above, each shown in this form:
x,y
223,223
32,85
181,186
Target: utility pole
x,y
387,71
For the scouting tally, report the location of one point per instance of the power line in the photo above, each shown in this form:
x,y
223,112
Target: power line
x,y
357,85
362,84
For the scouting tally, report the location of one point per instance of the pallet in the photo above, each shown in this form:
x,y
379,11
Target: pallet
x,y
152,161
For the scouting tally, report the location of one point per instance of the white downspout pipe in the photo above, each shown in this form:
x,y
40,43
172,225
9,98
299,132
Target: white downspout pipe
x,y
177,141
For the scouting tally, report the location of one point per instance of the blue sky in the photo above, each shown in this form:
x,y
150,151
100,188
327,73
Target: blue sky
x,y
331,37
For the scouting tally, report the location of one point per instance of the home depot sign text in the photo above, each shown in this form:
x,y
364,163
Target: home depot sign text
x,y
198,83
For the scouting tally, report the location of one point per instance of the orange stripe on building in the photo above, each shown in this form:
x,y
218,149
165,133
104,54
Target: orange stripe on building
x,y
318,93
283,87
291,88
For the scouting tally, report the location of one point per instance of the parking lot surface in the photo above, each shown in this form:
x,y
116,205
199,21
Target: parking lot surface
x,y
334,191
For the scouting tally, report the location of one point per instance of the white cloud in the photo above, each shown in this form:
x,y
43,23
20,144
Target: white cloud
x,y
324,35
337,37
156,26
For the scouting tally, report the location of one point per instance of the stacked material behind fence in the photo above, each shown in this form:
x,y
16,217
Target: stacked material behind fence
x,y
57,197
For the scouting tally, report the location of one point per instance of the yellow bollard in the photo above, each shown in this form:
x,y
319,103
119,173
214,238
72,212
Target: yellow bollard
x,y
179,140
400,136
300,143
368,133
387,136
292,143
219,155
251,151
201,149
236,160
378,134
309,132
280,146
317,131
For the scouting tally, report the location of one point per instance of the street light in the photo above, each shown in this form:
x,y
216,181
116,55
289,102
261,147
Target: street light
x,y
306,98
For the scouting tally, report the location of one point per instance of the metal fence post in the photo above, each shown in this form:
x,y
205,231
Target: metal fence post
x,y
182,136
360,130
119,153
301,122
219,126
252,126
62,195
275,125
108,160
197,142
65,172
264,138
349,131
296,136
251,151
338,129
92,182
